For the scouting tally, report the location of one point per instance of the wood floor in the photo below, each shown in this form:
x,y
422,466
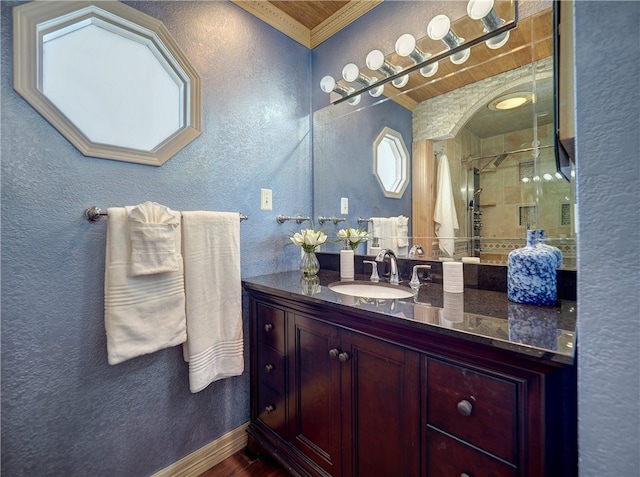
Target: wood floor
x,y
239,465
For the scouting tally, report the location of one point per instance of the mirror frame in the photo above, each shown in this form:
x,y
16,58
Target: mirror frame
x,y
32,21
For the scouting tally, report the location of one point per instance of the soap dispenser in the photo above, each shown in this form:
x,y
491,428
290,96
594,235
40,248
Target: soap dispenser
x,y
347,271
375,247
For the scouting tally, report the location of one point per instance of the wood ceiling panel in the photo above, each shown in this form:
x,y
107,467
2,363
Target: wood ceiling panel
x,y
310,14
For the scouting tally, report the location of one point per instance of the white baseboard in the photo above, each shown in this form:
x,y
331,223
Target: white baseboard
x,y
207,456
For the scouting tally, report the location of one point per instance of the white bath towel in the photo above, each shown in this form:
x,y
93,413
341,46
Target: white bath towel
x,y
143,313
384,229
211,250
153,245
444,214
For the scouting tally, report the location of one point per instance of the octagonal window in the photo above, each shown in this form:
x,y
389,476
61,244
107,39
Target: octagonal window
x,y
109,78
391,163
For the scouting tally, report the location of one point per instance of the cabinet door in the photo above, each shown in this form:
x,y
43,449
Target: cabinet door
x,y
314,401
380,398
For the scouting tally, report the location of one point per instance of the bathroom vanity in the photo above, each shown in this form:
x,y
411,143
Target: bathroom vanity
x,y
432,385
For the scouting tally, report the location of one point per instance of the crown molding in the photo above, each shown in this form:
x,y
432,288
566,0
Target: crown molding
x,y
295,30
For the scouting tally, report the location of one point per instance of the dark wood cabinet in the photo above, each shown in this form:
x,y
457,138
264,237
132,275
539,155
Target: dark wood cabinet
x,y
335,393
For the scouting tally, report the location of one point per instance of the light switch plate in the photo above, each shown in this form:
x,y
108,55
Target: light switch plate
x,y
266,199
344,205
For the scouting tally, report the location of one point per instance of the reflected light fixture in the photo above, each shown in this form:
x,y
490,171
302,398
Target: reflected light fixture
x,y
351,73
376,62
328,84
483,10
406,46
510,101
439,28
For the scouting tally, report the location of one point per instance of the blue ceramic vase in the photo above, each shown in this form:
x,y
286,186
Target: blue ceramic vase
x,y
555,250
531,274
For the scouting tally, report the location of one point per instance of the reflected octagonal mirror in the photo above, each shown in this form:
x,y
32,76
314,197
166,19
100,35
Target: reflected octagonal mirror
x,y
109,78
391,163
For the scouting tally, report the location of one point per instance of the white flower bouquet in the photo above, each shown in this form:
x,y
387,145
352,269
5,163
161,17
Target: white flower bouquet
x,y
353,237
309,239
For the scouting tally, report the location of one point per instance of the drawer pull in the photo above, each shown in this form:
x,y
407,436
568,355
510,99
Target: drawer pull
x,y
270,408
343,357
333,352
464,474
465,408
268,327
268,368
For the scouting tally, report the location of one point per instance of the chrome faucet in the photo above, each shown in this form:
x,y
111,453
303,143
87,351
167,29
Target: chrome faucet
x,y
395,273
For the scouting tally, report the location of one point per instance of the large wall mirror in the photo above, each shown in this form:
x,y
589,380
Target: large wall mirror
x,y
502,161
109,78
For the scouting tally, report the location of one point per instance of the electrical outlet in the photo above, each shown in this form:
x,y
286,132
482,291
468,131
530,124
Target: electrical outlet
x,y
266,199
344,205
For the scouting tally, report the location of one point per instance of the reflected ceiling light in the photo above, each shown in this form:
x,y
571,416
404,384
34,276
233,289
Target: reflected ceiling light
x,y
547,177
510,101
351,73
559,176
328,84
439,28
406,46
376,62
483,10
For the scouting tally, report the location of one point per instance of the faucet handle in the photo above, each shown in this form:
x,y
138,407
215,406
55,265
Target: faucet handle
x,y
416,250
374,270
415,281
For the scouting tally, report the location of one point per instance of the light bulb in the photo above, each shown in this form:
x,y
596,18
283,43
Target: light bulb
x,y
350,72
327,84
405,45
438,27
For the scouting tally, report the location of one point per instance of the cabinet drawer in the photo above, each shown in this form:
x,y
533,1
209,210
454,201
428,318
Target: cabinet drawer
x,y
474,407
271,368
271,409
270,327
448,457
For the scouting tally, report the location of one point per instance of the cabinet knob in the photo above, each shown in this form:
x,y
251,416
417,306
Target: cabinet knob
x,y
268,368
333,352
343,357
270,408
465,408
268,327
464,474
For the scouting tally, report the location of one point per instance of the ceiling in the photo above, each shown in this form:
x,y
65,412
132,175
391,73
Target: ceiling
x,y
312,22
308,23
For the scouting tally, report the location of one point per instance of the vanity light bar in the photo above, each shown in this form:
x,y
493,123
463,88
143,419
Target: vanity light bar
x,y
439,28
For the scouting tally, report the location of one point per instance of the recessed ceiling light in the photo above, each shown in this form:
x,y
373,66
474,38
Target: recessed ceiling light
x,y
510,101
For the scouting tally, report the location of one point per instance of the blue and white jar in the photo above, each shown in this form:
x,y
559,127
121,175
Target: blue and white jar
x,y
531,274
555,250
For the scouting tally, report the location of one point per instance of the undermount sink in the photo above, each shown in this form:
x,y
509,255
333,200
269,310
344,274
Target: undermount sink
x,y
371,290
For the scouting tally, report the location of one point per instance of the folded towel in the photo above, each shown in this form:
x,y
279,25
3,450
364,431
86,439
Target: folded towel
x,y
402,230
444,214
143,313
153,246
211,250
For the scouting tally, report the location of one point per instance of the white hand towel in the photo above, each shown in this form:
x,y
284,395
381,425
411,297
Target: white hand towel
x,y
384,229
444,214
144,313
211,250
153,246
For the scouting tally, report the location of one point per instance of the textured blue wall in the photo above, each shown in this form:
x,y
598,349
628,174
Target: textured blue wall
x,y
65,411
608,178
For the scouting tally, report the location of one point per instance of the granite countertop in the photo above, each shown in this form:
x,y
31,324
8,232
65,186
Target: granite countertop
x,y
488,317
